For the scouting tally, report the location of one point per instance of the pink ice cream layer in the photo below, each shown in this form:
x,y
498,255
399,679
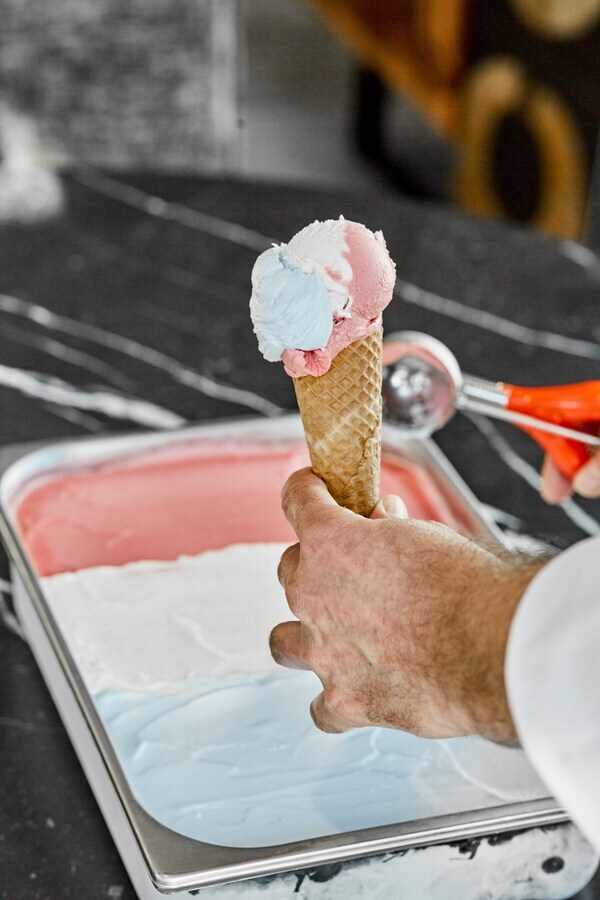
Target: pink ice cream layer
x,y
370,291
163,506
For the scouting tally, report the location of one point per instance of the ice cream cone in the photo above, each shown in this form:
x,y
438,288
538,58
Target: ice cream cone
x,y
341,414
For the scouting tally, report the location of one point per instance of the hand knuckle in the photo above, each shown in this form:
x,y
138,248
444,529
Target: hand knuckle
x,y
296,597
281,571
339,701
295,492
325,725
320,718
300,593
315,714
287,497
310,653
287,564
276,643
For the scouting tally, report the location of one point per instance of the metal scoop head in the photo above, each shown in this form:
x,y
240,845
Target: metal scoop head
x,y
421,382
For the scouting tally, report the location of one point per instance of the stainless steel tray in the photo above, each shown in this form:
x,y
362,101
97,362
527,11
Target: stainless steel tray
x,y
172,862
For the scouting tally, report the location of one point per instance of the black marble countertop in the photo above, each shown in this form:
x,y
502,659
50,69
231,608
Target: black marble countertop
x,y
139,290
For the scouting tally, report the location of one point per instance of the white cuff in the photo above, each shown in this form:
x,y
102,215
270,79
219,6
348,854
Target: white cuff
x,y
552,674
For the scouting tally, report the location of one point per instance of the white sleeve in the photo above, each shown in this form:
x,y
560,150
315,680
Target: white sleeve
x,y
552,676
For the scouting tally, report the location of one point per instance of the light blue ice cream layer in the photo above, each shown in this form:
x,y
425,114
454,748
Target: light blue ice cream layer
x,y
235,760
290,308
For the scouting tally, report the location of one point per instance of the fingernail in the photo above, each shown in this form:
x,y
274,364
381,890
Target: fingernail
x,y
587,482
393,506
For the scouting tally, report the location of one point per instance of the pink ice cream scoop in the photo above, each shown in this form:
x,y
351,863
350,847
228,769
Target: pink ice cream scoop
x,y
319,293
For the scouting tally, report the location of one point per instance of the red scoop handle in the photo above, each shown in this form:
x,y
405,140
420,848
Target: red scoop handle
x,y
572,405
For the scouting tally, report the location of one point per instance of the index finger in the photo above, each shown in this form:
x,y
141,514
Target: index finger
x,y
307,503
555,487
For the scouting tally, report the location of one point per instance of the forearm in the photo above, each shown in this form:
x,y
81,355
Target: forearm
x,y
484,689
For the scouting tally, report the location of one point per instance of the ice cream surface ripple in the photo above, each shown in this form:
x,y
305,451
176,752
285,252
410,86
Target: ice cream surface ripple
x,y
216,741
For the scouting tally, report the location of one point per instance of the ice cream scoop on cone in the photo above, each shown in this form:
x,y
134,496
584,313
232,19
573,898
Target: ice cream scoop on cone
x,y
341,414
316,305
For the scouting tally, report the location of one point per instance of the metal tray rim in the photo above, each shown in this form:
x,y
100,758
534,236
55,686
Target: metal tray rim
x,y
200,864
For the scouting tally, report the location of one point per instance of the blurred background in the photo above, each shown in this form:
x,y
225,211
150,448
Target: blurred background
x,y
488,104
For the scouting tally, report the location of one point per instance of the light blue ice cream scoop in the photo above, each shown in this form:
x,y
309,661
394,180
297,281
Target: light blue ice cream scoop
x,y
290,308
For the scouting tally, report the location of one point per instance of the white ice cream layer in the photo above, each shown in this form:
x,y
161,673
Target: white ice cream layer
x,y
321,248
149,626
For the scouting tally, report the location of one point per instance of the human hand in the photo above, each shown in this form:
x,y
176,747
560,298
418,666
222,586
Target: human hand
x,y
404,622
556,487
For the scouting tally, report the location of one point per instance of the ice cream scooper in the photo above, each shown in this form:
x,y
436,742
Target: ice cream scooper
x,y
423,387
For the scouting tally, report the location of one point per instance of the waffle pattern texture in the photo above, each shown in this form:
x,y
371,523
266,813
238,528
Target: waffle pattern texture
x,y
341,414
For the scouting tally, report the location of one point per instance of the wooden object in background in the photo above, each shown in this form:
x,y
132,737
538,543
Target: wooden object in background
x,y
515,82
521,151
558,19
415,46
530,111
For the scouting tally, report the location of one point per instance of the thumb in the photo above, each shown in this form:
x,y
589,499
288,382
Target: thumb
x,y
390,507
307,503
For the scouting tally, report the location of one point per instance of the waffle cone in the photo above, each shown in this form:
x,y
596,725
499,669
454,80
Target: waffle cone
x,y
341,414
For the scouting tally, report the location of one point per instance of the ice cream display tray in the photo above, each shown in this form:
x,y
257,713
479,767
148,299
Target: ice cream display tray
x,y
160,858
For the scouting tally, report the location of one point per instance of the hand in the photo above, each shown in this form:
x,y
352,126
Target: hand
x,y
556,487
404,622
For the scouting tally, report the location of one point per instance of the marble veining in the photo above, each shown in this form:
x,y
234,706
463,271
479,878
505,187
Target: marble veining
x,y
7,616
481,318
180,373
531,476
581,256
76,417
170,211
55,390
182,278
411,293
69,355
502,516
